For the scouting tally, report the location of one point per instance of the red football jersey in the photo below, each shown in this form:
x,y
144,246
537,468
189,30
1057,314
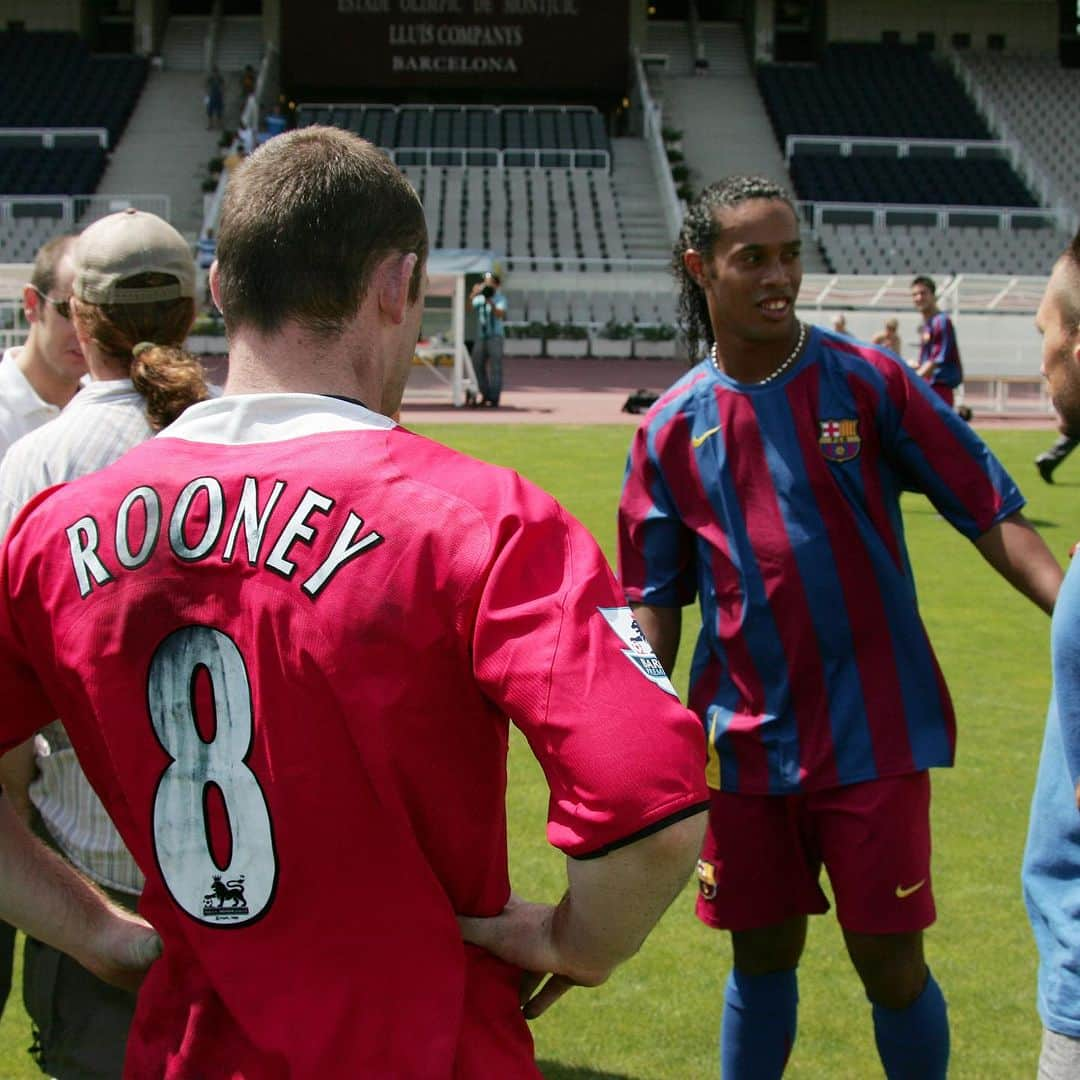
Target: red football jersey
x,y
285,636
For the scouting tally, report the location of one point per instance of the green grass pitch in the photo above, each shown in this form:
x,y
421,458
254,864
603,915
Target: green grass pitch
x,y
658,1017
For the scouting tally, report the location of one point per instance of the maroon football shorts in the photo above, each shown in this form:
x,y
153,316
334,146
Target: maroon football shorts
x,y
763,854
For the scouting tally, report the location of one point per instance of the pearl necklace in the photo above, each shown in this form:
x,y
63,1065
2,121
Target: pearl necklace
x,y
773,375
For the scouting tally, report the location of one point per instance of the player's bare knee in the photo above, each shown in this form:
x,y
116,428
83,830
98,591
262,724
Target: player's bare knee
x,y
891,966
769,948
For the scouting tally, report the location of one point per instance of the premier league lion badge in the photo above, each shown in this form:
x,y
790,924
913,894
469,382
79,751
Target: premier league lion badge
x,y
839,439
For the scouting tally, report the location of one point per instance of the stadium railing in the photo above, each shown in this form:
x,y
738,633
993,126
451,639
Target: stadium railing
x,y
652,124
883,215
72,210
51,137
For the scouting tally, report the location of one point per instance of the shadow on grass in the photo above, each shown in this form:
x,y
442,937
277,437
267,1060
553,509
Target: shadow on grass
x,y
552,1070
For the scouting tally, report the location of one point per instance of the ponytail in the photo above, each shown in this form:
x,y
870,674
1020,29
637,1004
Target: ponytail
x,y
169,379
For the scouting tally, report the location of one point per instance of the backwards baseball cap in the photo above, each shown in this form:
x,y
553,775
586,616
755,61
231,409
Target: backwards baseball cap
x,y
124,245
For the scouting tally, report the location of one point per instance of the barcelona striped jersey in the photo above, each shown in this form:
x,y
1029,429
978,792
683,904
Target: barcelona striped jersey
x,y
778,506
937,338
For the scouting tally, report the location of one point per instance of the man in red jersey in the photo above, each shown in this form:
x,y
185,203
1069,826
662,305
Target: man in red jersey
x,y
304,629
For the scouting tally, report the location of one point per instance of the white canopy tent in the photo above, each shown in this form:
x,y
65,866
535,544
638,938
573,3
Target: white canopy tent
x,y
443,330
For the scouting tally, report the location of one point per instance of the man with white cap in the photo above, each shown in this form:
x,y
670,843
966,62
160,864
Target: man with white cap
x,y
132,306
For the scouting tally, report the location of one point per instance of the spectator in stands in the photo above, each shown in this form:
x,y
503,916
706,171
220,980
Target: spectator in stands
x,y
276,122
134,283
939,355
247,81
839,323
487,356
215,99
38,378
1050,459
1051,873
889,336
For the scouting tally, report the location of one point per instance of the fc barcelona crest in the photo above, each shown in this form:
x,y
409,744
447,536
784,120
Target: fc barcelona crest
x,y
839,439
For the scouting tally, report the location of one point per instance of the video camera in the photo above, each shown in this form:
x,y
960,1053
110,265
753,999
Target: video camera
x,y
487,292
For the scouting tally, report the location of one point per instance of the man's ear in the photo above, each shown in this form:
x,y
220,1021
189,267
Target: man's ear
x,y
31,303
695,265
393,279
214,281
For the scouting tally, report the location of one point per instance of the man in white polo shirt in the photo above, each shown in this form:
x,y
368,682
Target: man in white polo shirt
x,y
38,378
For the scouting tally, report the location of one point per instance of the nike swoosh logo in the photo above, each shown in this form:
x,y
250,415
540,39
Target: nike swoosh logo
x,y
902,893
697,440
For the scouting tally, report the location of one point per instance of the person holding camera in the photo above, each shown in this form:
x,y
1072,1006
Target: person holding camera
x,y
487,356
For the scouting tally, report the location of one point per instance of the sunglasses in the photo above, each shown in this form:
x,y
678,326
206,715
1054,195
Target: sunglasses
x,y
63,307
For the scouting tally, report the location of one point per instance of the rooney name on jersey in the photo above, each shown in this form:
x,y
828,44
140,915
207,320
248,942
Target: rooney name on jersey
x,y
201,525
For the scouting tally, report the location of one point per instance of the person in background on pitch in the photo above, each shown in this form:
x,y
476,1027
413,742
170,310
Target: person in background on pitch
x,y
487,356
1051,458
888,336
939,355
254,592
1051,873
767,483
133,285
839,323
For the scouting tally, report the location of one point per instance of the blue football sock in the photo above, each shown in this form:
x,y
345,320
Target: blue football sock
x,y
914,1042
758,1028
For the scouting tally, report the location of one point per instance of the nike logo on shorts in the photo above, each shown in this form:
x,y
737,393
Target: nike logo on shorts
x,y
697,440
903,892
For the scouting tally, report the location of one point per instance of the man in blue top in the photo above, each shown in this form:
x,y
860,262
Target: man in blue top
x,y
1052,860
490,306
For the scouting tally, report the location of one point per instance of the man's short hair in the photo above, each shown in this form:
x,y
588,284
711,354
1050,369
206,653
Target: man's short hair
x,y
304,222
922,279
43,276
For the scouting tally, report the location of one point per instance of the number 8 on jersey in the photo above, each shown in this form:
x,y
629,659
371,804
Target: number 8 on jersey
x,y
242,890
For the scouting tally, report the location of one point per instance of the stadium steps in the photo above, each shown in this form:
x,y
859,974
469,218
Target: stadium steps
x,y
184,47
637,197
724,49
166,147
670,38
726,129
240,42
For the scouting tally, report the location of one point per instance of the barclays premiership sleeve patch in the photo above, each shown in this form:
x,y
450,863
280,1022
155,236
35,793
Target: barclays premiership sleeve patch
x,y
638,650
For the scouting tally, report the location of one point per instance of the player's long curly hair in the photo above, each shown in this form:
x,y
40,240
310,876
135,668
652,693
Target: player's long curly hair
x,y
699,232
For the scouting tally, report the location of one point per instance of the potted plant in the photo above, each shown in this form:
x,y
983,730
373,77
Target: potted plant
x,y
566,339
656,340
524,339
613,339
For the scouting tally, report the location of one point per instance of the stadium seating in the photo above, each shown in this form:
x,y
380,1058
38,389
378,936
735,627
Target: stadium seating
x,y
527,213
895,91
926,181
861,249
37,171
425,134
50,79
1033,101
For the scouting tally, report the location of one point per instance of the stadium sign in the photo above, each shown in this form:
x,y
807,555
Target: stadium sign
x,y
367,46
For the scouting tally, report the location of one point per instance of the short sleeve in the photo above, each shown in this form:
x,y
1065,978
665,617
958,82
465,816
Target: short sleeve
x,y
657,553
939,454
1065,653
26,705
556,648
